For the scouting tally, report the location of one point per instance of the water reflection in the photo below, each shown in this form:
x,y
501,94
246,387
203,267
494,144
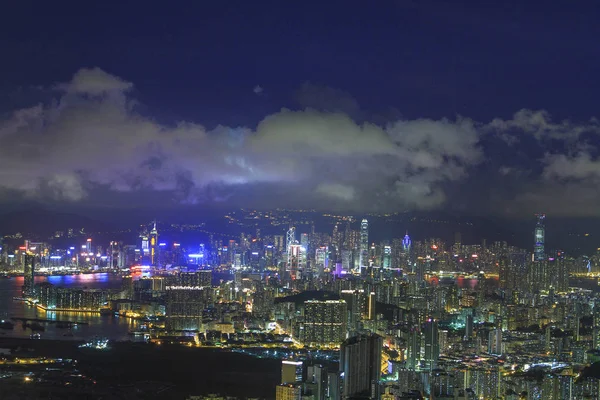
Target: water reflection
x,y
115,328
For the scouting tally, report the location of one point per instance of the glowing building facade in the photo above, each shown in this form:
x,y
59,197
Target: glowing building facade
x,y
364,243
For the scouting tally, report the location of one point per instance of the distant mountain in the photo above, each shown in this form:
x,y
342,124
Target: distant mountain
x,y
44,222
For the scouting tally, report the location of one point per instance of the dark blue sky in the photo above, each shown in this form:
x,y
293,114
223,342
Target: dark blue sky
x,y
124,86
200,59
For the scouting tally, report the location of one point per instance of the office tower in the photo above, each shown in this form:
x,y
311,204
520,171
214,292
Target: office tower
x,y
360,364
304,240
296,263
364,244
28,276
184,307
539,238
406,244
291,371
154,245
324,322
291,269
432,344
145,248
321,261
386,262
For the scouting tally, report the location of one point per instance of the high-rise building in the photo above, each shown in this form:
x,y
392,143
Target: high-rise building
x,y
28,275
432,344
386,261
154,245
184,307
296,263
364,244
291,371
360,364
414,348
316,376
539,238
324,322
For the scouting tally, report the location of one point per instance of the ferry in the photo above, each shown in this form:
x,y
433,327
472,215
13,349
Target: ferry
x,y
35,336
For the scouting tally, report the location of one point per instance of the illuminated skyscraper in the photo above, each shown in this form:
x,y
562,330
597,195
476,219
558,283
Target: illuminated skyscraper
x,y
539,237
387,257
296,263
290,240
154,245
364,243
406,243
145,248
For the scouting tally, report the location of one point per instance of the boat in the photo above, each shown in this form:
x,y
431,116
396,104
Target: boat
x,y
36,336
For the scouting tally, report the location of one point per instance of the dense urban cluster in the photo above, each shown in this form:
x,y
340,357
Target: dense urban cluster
x,y
350,318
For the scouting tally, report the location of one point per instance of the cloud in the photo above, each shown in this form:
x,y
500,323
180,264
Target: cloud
x,y
539,124
579,167
258,89
95,82
336,191
90,140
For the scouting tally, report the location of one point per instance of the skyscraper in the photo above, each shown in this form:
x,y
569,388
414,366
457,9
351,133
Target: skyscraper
x,y
154,245
364,243
360,363
406,243
539,237
28,275
432,344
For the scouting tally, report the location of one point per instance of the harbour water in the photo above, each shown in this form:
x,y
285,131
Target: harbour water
x,y
111,327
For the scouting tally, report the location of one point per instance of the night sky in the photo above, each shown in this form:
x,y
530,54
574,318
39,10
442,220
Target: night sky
x,y
471,107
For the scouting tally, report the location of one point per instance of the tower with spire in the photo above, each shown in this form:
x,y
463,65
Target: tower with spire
x,y
154,245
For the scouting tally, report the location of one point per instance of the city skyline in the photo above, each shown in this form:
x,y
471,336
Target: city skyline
x,y
301,200
94,132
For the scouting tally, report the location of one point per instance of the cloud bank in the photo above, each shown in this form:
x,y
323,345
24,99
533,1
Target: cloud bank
x,y
92,139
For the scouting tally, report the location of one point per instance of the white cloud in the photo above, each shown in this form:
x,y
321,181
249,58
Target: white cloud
x,y
92,137
94,81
